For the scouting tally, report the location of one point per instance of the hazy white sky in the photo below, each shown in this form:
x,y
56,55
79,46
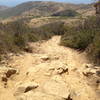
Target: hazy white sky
x,y
15,2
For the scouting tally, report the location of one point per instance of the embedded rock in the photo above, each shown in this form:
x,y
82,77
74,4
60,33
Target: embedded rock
x,y
38,96
56,86
26,87
8,71
45,58
61,70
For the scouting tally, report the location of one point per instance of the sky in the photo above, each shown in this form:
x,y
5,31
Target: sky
x,y
16,2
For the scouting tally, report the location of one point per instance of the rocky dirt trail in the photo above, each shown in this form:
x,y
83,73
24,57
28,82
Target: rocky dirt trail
x,y
51,72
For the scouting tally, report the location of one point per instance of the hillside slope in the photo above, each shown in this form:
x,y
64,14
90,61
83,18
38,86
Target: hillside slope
x,y
3,7
40,8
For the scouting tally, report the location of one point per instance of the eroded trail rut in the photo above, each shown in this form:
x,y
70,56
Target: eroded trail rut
x,y
51,72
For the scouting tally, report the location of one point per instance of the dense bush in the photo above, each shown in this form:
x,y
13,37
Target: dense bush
x,y
78,39
67,13
85,36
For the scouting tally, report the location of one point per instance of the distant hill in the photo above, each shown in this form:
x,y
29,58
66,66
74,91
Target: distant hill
x,y
39,8
3,7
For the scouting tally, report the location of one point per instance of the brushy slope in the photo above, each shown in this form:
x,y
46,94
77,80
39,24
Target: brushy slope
x,y
14,36
3,7
85,36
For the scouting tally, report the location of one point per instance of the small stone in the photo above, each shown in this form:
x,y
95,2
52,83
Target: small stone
x,y
47,74
69,98
74,70
45,58
5,85
89,65
61,70
89,71
98,73
51,68
4,79
87,74
29,49
10,72
3,62
98,81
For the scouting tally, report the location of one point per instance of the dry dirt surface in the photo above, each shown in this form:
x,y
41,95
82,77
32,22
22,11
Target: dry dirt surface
x,y
51,72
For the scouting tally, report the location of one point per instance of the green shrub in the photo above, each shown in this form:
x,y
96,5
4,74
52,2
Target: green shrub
x,y
67,13
77,39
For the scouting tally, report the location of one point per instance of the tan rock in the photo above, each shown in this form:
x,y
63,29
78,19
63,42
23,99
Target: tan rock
x,y
57,87
45,58
26,87
4,79
38,96
89,71
89,65
61,70
8,71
